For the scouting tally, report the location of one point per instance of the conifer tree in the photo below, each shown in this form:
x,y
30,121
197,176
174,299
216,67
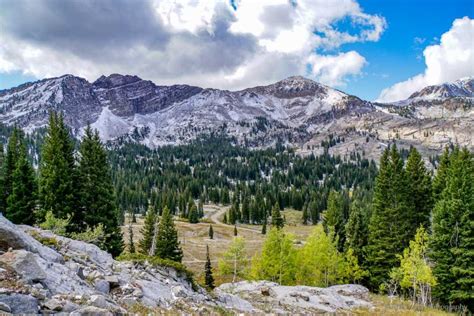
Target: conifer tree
x,y
167,243
57,172
9,165
193,215
439,181
131,244
277,220
148,230
452,244
211,232
21,203
333,219
420,192
96,192
208,279
2,178
264,227
357,230
388,233
235,230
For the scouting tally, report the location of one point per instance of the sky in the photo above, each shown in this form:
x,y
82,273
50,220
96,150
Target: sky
x,y
377,50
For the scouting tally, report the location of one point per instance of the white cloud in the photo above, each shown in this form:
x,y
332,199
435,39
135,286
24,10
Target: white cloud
x,y
451,59
199,42
332,69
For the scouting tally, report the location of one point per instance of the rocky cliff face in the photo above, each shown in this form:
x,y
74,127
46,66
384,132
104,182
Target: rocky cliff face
x,y
296,111
44,273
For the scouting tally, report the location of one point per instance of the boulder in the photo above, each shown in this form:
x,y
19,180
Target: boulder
x,y
102,286
24,264
91,311
20,303
98,301
5,308
113,280
53,305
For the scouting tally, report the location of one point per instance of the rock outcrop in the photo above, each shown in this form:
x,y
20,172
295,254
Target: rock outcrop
x,y
41,272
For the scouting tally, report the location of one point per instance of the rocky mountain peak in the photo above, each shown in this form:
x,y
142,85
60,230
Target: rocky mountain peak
x,y
115,80
462,88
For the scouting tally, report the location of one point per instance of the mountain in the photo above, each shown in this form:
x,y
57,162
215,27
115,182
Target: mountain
x,y
296,111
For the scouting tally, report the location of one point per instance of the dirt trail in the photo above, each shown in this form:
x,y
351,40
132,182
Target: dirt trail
x,y
215,217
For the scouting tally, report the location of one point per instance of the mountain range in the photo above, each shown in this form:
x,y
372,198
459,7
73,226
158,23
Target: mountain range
x,y
296,111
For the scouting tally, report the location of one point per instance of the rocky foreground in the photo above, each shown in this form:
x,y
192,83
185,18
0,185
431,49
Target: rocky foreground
x,y
42,273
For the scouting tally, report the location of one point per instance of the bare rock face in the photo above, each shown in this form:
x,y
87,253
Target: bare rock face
x,y
78,278
269,297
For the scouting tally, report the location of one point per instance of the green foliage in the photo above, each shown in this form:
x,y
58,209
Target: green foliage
x,y
452,244
319,262
54,224
211,232
208,278
21,202
357,228
333,218
277,262
167,243
96,192
234,261
148,231
414,272
96,235
57,182
277,219
193,215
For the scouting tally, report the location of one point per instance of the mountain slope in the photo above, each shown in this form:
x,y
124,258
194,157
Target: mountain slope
x,y
296,111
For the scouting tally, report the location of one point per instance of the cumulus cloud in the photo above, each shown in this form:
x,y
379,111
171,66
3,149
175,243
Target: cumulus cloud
x,y
451,59
201,42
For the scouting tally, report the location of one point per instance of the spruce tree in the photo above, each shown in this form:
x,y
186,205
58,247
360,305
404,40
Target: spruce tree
x,y
264,227
211,232
333,220
57,173
208,279
21,203
9,165
235,230
193,215
167,243
357,229
388,234
439,181
148,231
420,192
452,244
277,220
3,202
96,192
131,244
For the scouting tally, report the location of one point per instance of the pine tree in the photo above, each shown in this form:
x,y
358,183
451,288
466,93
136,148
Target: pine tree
x,y
9,166
193,215
452,244
21,203
305,215
439,181
235,230
148,231
388,234
211,232
96,192
420,192
167,243
277,220
357,229
333,219
57,173
131,244
264,227
209,279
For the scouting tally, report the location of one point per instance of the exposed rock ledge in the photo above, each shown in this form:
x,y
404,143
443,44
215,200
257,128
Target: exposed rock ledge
x,y
71,276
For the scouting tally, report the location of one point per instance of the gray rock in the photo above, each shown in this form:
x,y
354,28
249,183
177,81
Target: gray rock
x,y
53,305
24,263
5,308
102,286
70,307
13,237
113,280
20,303
98,301
91,311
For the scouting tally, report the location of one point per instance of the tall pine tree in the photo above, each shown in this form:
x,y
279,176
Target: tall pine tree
x,y
96,192
452,244
21,202
167,243
57,172
209,279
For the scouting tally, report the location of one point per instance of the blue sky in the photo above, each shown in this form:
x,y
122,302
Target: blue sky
x,y
398,55
212,44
